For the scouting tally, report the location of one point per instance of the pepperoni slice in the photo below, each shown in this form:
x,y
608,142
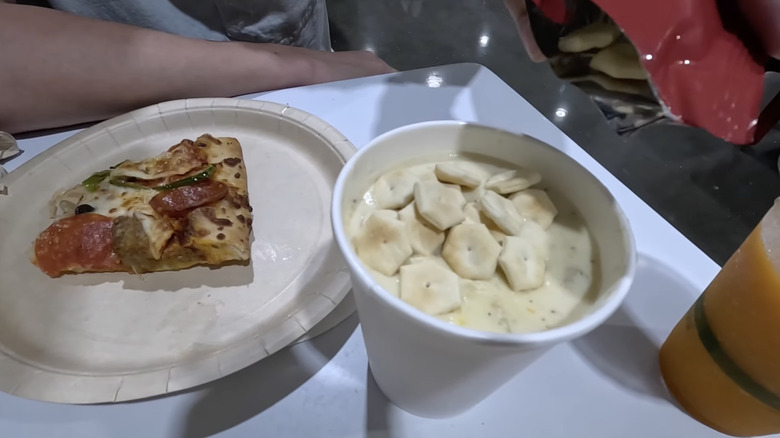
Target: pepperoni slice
x,y
181,200
81,243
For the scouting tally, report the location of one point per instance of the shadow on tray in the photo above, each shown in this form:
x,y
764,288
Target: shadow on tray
x,y
625,348
249,392
377,407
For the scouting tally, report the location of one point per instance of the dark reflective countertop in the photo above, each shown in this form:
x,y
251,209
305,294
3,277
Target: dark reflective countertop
x,y
711,191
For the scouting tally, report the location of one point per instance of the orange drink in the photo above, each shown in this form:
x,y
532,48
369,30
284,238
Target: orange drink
x,y
722,360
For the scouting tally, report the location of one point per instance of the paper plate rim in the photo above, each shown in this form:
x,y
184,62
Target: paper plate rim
x,y
37,383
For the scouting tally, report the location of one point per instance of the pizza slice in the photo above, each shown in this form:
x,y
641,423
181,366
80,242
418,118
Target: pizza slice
x,y
185,207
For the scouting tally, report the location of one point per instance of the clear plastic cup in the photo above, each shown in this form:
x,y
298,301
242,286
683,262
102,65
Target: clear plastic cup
x,y
722,360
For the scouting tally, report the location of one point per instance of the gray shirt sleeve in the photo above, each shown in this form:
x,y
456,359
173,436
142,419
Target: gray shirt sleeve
x,y
292,22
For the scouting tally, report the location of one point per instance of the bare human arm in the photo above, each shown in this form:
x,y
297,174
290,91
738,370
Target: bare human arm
x,y
59,69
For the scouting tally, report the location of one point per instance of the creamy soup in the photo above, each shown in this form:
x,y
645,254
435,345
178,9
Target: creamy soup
x,y
477,243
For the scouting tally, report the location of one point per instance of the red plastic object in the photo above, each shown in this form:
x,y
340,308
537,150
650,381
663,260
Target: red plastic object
x,y
555,10
703,75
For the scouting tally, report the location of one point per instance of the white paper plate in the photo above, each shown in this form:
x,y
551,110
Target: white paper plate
x,y
114,337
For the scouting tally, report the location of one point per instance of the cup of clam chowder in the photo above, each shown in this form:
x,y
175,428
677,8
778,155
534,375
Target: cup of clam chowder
x,y
472,252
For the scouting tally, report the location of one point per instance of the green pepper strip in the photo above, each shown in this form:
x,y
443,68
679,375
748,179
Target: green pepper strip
x,y
123,182
92,183
189,180
118,164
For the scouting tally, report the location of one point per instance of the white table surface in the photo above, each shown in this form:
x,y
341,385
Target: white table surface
x,y
606,384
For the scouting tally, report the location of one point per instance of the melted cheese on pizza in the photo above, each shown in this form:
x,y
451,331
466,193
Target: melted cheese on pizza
x,y
115,201
178,160
150,239
168,212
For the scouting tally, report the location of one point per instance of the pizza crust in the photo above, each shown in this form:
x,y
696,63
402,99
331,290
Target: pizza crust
x,y
222,230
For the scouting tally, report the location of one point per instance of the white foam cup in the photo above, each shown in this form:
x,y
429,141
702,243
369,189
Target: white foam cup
x,y
433,368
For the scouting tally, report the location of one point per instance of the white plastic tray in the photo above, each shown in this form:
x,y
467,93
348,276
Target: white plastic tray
x,y
604,385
